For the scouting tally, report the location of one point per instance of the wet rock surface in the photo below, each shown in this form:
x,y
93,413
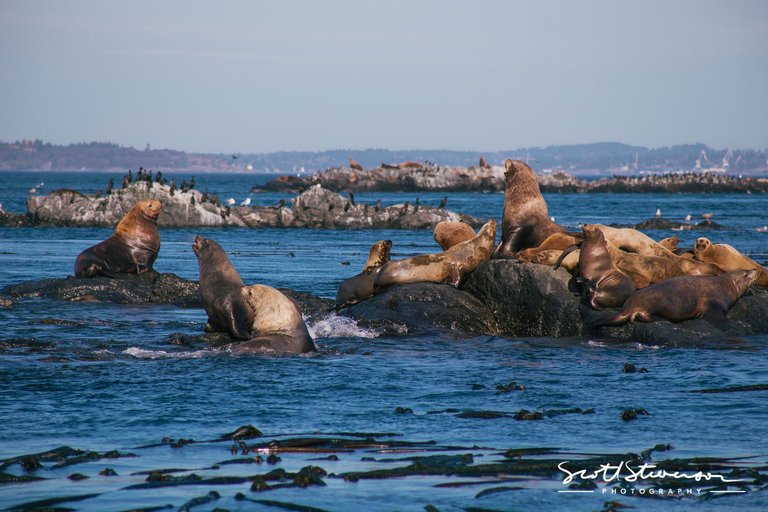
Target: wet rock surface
x,y
316,208
422,307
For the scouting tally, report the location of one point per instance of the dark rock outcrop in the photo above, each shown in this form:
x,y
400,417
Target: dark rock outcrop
x,y
502,297
316,207
423,308
656,223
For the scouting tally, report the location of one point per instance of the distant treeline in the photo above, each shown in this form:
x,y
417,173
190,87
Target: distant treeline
x,y
603,157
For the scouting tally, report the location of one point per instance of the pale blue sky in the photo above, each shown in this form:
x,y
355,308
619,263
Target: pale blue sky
x,y
257,76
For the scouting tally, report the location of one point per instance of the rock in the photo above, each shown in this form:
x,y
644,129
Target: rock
x,y
317,207
657,223
526,299
150,287
422,308
10,219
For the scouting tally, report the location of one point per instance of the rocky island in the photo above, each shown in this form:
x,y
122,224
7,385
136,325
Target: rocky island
x,y
500,298
487,178
316,207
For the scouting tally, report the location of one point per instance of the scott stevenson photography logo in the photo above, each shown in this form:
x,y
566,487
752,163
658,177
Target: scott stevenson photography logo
x,y
635,477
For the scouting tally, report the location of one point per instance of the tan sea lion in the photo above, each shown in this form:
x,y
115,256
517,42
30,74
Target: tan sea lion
x,y
670,243
643,270
354,165
680,298
606,285
556,241
525,220
448,233
259,317
360,287
132,249
632,240
450,266
554,257
728,258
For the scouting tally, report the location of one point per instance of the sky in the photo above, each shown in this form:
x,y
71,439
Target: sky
x,y
311,75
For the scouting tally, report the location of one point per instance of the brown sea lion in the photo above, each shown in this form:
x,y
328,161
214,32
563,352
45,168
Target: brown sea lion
x,y
450,266
448,233
132,249
354,165
258,317
681,298
525,220
632,240
643,270
670,243
360,287
606,285
728,258
556,241
554,257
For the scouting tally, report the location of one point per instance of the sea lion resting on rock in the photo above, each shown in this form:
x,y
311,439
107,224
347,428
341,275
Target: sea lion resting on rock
x,y
450,266
728,258
680,298
448,233
606,285
360,287
132,249
525,220
259,317
555,241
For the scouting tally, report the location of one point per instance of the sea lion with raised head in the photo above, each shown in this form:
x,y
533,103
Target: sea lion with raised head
x,y
606,285
258,317
448,233
132,249
680,298
555,241
728,258
525,219
360,287
449,267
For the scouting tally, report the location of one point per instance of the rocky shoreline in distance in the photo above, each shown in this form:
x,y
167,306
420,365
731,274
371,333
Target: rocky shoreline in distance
x,y
316,207
431,177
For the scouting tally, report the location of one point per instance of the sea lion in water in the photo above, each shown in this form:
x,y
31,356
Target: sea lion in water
x,y
360,287
448,233
728,258
606,285
132,249
450,266
258,316
525,220
681,298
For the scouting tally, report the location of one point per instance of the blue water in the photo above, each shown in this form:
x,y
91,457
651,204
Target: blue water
x,y
111,378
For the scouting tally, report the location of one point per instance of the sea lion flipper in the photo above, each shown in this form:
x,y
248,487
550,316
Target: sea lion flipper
x,y
568,250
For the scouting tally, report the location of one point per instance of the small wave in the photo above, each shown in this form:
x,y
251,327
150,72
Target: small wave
x,y
334,326
141,353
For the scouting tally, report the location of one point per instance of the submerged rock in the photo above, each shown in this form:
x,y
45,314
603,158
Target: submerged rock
x,y
317,208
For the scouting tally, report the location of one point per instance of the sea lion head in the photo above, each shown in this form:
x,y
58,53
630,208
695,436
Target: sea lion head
x,y
378,255
592,232
488,229
150,208
702,244
515,167
203,246
743,279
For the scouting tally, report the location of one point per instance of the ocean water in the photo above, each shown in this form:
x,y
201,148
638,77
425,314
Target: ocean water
x,y
101,377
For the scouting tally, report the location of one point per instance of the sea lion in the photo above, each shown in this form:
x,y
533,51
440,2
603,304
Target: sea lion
x,y
681,298
670,243
643,270
450,266
447,233
606,285
632,240
555,241
360,287
133,247
354,165
525,219
258,317
728,258
555,258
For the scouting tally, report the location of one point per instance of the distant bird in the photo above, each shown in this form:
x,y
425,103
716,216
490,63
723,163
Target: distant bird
x,y
707,216
33,190
234,157
280,204
231,201
246,202
552,219
688,218
356,166
763,229
443,202
658,213
41,184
